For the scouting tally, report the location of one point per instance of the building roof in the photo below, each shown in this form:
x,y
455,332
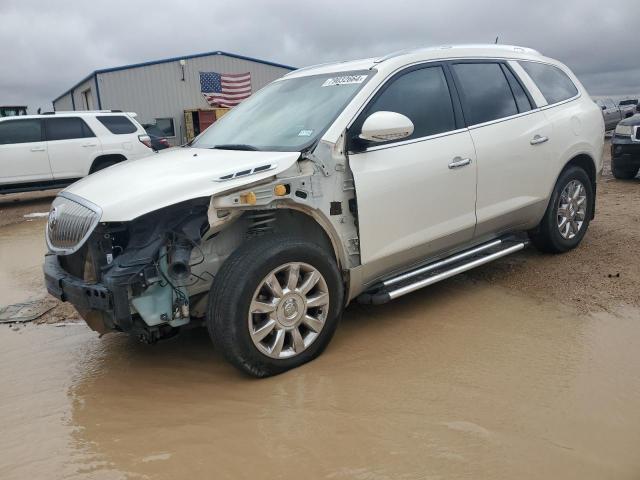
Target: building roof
x,y
169,60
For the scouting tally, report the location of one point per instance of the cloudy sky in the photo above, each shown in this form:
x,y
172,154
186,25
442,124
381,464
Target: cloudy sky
x,y
47,46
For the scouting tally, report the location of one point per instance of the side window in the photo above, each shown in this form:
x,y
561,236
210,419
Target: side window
x,y
20,131
554,84
522,100
611,104
484,92
421,95
67,128
117,124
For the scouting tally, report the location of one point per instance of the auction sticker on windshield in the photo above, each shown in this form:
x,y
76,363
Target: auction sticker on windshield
x,y
345,80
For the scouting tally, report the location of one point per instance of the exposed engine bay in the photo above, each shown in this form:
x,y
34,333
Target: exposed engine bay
x,y
151,276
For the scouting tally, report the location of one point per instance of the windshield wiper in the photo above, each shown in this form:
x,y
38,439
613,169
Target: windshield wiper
x,y
235,146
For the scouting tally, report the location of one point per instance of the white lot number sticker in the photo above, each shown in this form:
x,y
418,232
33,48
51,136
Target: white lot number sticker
x,y
305,133
346,80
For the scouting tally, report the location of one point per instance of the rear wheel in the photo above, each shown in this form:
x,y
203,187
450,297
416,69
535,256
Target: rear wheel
x,y
568,214
104,162
275,304
623,173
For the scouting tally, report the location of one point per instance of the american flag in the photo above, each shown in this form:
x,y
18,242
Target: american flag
x,y
225,89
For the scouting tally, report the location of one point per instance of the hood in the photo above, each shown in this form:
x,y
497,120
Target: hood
x,y
135,187
635,120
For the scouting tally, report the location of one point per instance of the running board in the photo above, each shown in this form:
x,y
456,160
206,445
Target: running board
x,y
421,277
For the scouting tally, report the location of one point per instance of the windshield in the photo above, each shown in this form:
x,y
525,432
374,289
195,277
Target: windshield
x,y
287,115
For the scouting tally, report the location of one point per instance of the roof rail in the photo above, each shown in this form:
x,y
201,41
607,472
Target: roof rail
x,y
311,67
88,111
511,48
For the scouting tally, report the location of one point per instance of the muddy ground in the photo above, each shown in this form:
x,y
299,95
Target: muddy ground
x,y
524,368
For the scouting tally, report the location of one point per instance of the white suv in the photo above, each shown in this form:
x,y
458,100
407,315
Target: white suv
x,y
363,180
54,150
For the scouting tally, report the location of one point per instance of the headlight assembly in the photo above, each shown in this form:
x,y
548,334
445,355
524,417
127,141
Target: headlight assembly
x,y
624,130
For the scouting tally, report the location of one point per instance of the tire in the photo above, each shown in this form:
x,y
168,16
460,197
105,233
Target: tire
x,y
232,314
547,237
623,173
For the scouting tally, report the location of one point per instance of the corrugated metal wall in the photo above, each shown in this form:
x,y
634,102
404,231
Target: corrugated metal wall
x,y
63,103
78,95
157,91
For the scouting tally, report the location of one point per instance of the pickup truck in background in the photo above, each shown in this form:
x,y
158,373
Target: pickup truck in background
x,y
613,112
628,107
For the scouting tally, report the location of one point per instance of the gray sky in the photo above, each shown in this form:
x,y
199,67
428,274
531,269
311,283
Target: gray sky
x,y
47,46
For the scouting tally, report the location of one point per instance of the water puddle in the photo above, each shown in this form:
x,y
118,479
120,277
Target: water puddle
x,y
458,381
22,249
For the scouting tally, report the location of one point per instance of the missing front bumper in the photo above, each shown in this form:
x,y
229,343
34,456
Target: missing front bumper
x,y
83,295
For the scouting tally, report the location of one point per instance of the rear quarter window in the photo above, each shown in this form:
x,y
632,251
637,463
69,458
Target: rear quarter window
x,y
117,124
553,83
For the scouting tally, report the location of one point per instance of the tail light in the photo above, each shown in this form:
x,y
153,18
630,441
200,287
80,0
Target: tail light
x,y
164,142
145,139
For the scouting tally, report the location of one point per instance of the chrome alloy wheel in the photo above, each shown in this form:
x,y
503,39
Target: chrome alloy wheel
x,y
288,310
572,209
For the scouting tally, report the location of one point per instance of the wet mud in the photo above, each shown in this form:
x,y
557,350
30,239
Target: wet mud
x,y
22,248
525,368
462,380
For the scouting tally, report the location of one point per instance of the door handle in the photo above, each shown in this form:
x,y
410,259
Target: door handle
x,y
90,145
37,149
537,140
459,162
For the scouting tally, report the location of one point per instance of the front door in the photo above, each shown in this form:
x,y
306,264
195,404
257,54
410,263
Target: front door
x,y
23,152
415,196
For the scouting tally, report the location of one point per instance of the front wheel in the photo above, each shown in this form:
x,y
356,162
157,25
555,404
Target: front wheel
x,y
275,304
568,214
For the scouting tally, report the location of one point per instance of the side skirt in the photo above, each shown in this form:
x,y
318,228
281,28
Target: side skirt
x,y
421,277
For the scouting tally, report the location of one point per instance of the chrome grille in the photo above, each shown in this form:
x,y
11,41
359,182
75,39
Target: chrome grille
x,y
70,223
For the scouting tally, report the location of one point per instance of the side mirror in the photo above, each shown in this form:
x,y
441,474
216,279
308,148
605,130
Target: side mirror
x,y
385,126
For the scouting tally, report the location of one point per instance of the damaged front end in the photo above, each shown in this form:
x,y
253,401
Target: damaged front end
x,y
135,276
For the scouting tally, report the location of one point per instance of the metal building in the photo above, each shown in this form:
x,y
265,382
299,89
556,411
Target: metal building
x,y
161,91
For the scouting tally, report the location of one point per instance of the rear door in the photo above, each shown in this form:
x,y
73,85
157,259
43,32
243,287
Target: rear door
x,y
72,146
23,152
510,139
413,198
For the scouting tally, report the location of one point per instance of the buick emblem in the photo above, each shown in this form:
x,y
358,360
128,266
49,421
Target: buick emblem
x,y
53,218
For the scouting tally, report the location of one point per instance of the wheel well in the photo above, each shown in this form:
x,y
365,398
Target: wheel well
x,y
101,160
585,162
295,222
291,221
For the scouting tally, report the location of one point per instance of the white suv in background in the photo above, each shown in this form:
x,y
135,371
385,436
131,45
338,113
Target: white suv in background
x,y
53,150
